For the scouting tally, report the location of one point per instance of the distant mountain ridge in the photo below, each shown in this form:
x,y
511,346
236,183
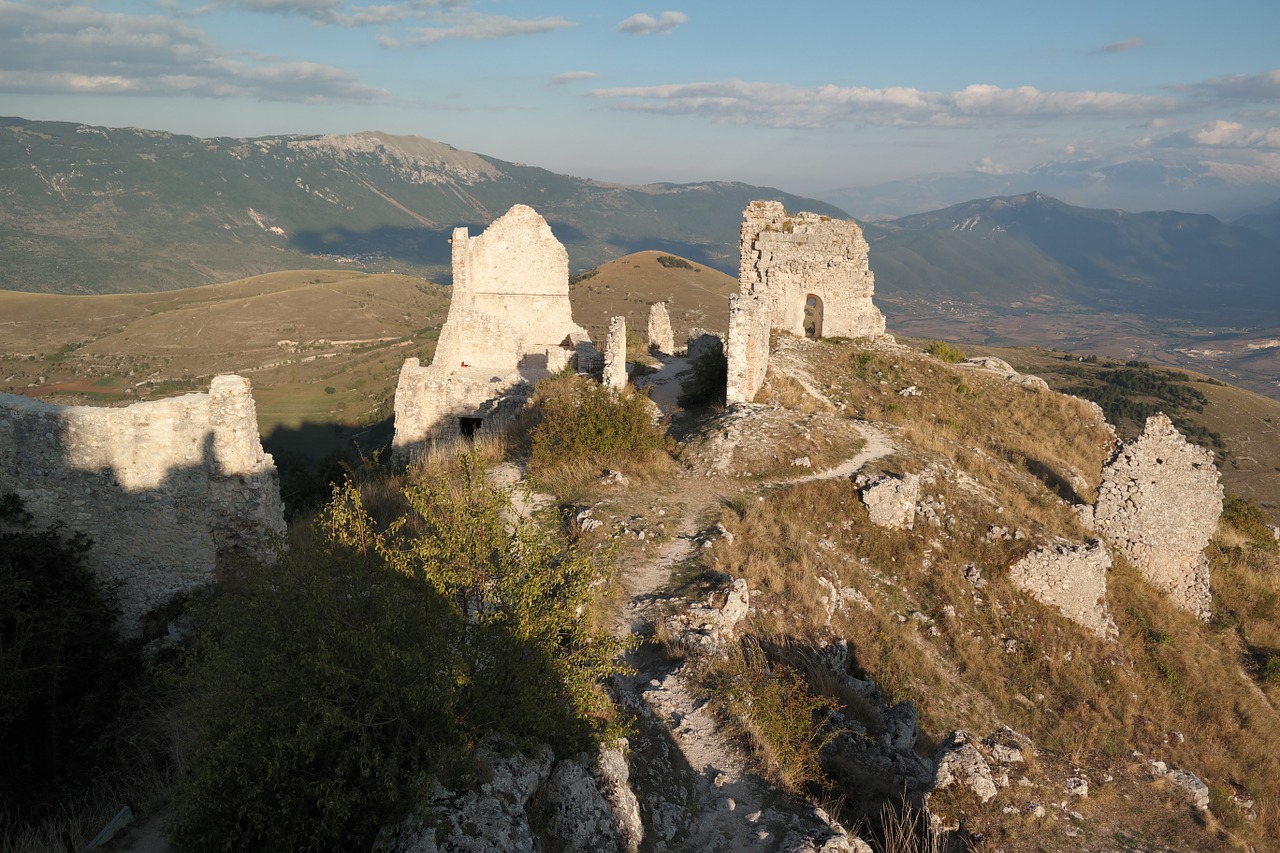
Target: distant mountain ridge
x,y
1016,249
94,209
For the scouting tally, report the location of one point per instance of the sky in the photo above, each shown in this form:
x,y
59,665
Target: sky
x,y
803,96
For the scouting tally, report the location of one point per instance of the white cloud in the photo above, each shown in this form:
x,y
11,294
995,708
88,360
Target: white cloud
x,y
474,25
785,105
1224,134
643,24
1123,46
78,48
572,77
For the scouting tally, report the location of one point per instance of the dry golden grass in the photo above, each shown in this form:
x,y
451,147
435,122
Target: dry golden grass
x,y
969,657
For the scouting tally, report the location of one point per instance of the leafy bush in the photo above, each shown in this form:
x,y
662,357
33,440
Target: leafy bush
x,y
587,422
1249,519
672,262
944,351
326,690
62,665
706,386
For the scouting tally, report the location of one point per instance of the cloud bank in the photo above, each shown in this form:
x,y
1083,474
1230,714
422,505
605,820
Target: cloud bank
x,y
643,24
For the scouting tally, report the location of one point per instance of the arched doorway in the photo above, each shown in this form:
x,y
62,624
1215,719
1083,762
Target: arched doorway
x,y
813,316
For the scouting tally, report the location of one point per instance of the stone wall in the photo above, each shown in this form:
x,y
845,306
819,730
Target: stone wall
x,y
794,257
1072,578
1159,504
746,347
509,325
661,338
615,354
165,489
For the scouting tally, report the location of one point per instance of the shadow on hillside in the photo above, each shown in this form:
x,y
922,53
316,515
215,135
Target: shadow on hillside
x,y
428,247
313,456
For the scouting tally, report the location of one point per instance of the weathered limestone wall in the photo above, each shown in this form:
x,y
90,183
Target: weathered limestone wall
x,y
791,257
660,335
746,347
1159,504
165,488
615,354
509,325
1072,578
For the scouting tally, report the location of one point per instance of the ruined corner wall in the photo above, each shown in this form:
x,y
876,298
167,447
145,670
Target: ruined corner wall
x,y
165,489
510,293
746,347
509,324
1159,504
790,257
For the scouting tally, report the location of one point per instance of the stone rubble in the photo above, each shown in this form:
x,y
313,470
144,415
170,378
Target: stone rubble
x,y
1072,578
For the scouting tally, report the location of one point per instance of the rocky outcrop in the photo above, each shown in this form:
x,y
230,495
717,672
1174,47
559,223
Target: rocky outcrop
x,y
891,501
615,354
529,802
1159,504
1072,578
999,366
165,489
661,338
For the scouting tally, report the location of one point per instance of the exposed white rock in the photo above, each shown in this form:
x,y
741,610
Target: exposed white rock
x,y
891,501
960,763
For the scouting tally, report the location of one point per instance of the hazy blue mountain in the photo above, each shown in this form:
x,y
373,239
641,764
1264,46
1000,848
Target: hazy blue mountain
x,y
1265,220
996,251
1133,185
93,209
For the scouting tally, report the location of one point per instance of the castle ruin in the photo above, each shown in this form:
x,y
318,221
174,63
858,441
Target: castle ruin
x,y
509,325
801,273
1159,505
167,490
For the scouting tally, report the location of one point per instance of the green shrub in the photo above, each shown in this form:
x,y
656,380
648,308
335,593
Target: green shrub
x,y
584,421
944,351
63,667
328,689
672,262
706,385
1250,520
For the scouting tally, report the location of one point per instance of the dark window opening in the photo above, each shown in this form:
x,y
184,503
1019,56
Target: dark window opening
x,y
469,426
813,317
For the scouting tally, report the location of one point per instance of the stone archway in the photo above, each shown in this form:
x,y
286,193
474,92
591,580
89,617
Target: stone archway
x,y
813,316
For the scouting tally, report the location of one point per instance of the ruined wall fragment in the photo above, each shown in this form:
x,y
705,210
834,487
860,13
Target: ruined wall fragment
x,y
660,337
1159,504
166,489
615,354
746,347
1072,578
509,325
792,257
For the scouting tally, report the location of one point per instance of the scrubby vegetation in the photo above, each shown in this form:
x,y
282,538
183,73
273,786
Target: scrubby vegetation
x,y
706,384
944,351
64,671
672,262
582,427
325,691
1131,393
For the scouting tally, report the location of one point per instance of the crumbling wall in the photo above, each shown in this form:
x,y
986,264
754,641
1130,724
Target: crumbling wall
x,y
660,336
792,257
166,489
746,347
1072,578
509,325
615,354
1159,504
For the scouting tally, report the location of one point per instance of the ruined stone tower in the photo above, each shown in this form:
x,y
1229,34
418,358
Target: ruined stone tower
x,y
509,325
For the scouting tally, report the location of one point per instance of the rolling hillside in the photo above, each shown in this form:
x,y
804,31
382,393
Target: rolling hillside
x,y
97,210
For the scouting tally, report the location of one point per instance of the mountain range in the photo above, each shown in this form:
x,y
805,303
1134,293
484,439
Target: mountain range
x,y
92,209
